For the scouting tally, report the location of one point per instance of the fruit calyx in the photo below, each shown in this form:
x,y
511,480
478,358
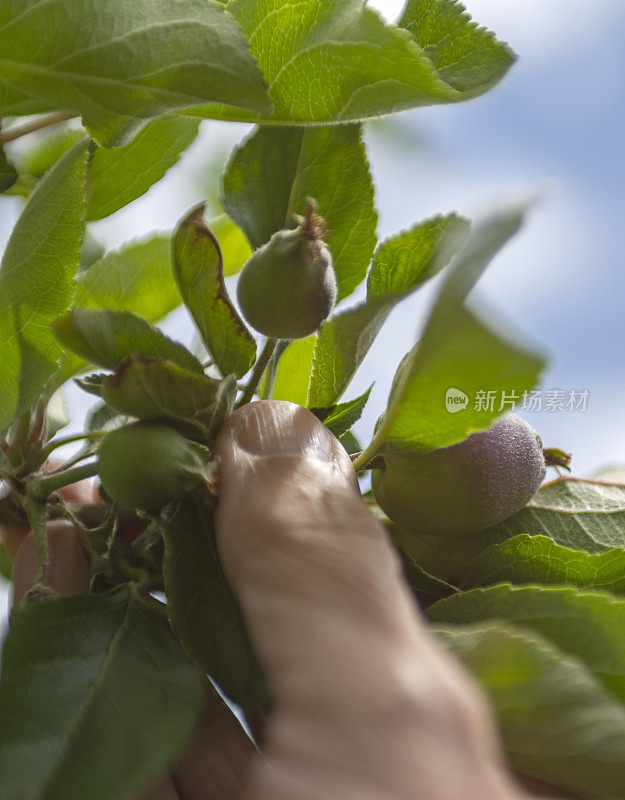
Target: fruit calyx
x,y
313,226
560,459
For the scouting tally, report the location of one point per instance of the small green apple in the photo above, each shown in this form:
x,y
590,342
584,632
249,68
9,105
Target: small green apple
x,y
145,465
464,488
288,286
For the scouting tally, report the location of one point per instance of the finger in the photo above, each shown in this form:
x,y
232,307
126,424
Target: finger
x,y
367,704
68,566
216,765
11,538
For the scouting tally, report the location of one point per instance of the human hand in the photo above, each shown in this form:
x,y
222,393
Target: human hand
x,y
366,703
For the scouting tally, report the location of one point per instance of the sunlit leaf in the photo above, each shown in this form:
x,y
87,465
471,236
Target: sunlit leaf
x,y
37,282
270,177
120,62
458,352
106,338
400,266
198,271
336,61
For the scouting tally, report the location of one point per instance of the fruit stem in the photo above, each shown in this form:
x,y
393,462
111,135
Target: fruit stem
x,y
16,131
361,461
77,437
40,488
270,375
259,370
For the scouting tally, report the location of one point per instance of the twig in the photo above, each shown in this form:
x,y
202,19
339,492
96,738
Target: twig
x,y
17,131
43,486
61,442
270,376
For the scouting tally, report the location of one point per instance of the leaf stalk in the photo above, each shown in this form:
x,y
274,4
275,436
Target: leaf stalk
x,y
61,442
17,131
42,486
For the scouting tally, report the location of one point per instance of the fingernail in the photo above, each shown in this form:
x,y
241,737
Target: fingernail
x,y
273,428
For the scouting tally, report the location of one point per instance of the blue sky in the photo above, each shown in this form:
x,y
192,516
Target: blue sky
x,y
555,125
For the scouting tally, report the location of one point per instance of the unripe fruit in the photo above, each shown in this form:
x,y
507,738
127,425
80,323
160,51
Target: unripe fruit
x,y
288,286
145,465
464,488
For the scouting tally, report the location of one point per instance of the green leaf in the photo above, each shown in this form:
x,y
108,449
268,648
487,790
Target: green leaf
x,y
538,559
405,261
612,474
18,104
162,390
103,417
270,176
106,338
336,61
203,611
457,351
96,698
344,340
43,154
92,384
8,173
57,416
587,625
37,282
557,722
341,345
137,278
293,371
198,271
581,515
343,416
40,157
234,246
426,588
91,251
126,61
117,177
351,445
467,57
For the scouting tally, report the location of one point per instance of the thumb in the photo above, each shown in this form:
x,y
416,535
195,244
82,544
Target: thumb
x,y
365,700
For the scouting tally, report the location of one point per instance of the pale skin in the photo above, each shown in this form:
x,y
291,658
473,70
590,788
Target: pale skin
x,y
367,705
